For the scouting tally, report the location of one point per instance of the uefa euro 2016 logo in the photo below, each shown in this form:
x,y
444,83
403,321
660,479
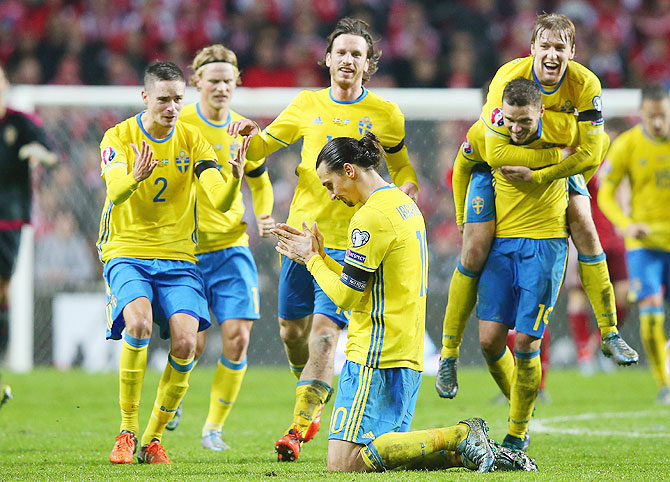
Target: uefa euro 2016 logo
x,y
364,125
182,161
478,204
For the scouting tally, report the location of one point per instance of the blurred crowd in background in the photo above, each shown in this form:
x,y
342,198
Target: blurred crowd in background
x,y
429,43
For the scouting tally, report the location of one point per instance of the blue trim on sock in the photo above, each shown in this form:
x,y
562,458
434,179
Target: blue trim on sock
x,y
373,454
495,359
584,258
467,272
181,368
136,342
526,355
652,310
295,368
317,383
231,364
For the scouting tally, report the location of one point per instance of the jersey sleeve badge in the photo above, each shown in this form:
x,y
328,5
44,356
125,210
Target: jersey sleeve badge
x,y
597,103
108,155
497,117
359,238
467,147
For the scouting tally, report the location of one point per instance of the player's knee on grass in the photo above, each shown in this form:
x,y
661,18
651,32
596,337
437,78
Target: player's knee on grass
x,y
582,228
345,457
477,239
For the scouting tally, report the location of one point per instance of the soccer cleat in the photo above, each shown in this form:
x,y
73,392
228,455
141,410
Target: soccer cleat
x,y
288,446
314,426
616,347
446,382
212,441
154,453
516,443
5,394
507,459
124,448
664,396
474,449
174,421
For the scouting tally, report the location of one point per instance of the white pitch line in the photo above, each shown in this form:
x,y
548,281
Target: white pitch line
x,y
543,425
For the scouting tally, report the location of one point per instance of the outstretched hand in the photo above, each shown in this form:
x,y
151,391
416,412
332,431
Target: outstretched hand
x,y
237,164
144,161
300,246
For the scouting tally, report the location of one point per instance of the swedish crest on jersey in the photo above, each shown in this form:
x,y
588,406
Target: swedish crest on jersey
x,y
359,238
364,125
183,161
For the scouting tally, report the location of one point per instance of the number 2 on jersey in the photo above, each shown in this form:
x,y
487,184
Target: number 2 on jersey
x,y
157,197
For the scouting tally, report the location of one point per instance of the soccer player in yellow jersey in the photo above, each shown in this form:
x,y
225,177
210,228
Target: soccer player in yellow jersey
x,y
642,154
566,87
224,258
383,283
151,164
310,322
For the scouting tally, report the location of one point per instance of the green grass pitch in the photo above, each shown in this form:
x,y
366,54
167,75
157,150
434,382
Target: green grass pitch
x,y
61,426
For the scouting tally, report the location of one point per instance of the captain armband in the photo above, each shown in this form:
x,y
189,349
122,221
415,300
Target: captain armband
x,y
355,278
393,150
594,116
257,172
204,165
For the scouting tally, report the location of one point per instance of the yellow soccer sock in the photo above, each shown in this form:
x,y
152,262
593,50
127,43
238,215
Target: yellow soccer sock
x,y
461,301
525,386
296,369
310,395
225,388
653,339
132,367
502,370
395,449
171,390
596,282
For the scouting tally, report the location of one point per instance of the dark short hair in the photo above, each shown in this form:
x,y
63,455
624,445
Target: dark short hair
x,y
161,70
654,92
554,22
354,26
521,92
366,152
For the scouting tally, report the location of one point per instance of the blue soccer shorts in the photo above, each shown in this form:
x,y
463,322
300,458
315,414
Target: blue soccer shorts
x,y
300,295
373,401
231,283
648,273
171,287
480,201
520,282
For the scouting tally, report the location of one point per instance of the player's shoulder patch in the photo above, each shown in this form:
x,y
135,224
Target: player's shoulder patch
x,y
597,103
108,155
466,146
359,238
497,117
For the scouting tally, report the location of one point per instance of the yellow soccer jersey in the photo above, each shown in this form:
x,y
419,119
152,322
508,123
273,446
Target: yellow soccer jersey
x,y
387,237
216,229
646,163
158,220
578,91
555,129
317,118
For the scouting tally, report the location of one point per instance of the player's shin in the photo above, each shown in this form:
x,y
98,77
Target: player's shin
x,y
132,367
525,387
595,279
225,388
461,301
310,395
171,390
502,370
415,449
653,340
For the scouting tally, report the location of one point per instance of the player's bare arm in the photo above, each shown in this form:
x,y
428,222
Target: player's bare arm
x,y
144,162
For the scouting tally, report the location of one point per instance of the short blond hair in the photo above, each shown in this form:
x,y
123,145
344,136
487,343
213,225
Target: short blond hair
x,y
554,22
214,53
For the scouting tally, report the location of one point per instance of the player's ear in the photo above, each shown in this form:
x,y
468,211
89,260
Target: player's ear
x,y
367,65
349,170
541,110
572,53
329,59
145,97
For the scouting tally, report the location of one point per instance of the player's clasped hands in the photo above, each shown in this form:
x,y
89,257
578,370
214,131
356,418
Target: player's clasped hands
x,y
144,161
298,245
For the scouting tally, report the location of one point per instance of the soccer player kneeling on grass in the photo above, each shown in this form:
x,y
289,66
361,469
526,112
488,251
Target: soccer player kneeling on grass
x,y
384,283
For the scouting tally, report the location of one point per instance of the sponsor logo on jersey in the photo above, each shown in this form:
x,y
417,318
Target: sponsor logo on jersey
x,y
355,256
478,204
497,117
359,238
108,155
467,147
597,103
317,121
183,161
364,125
